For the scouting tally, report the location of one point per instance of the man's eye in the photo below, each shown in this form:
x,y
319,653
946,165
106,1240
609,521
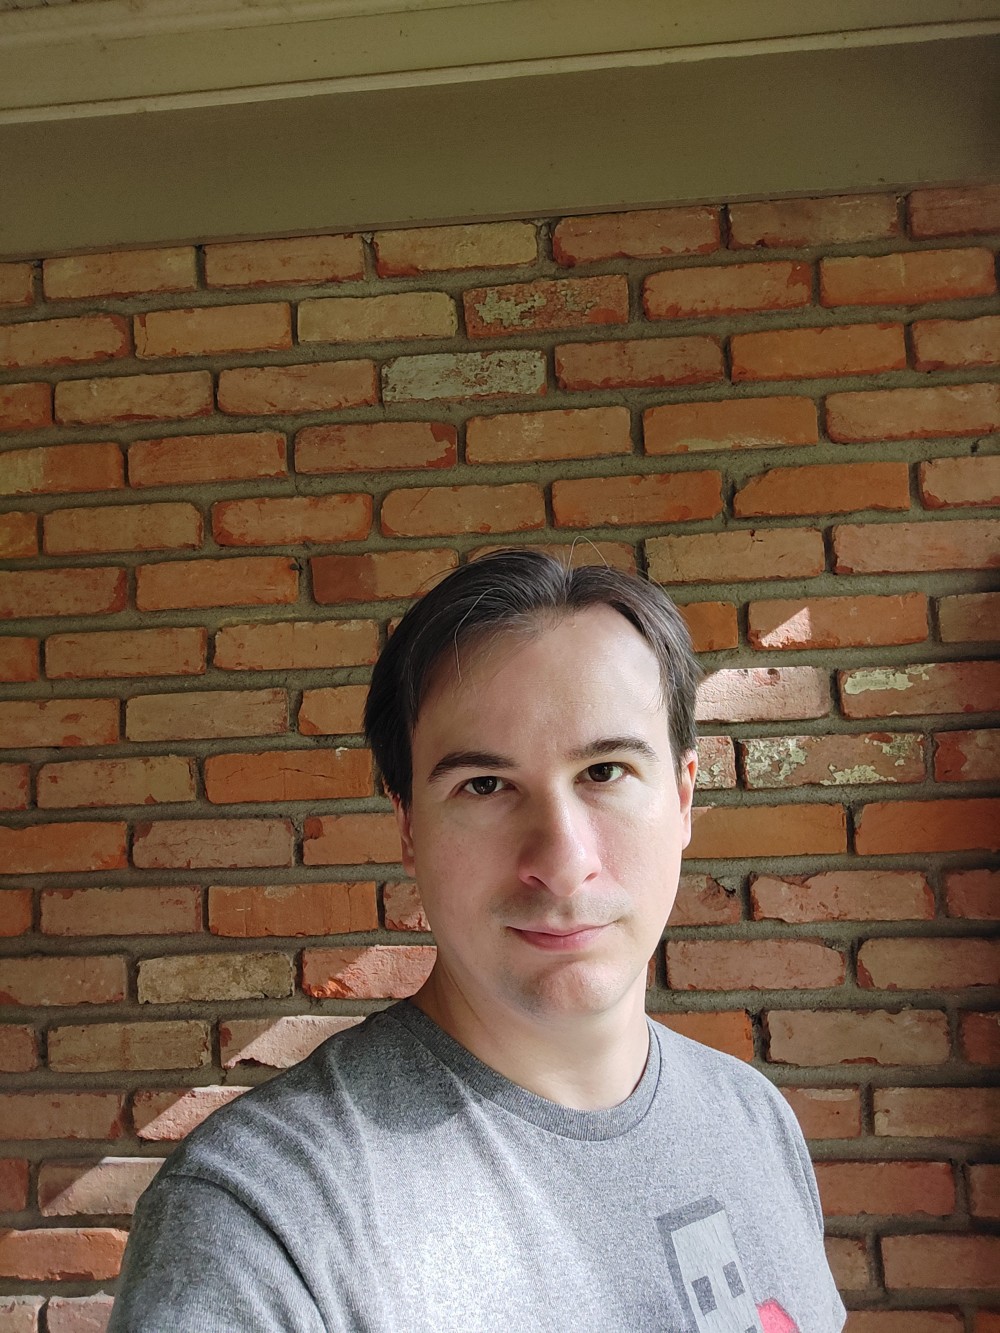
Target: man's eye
x,y
605,772
483,786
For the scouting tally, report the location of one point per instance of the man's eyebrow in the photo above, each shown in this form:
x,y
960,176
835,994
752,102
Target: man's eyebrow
x,y
614,745
484,760
488,762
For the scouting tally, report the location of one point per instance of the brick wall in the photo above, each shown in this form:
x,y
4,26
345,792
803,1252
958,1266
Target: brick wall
x,y
226,470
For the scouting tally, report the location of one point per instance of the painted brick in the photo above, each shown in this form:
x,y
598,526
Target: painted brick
x,y
335,711
252,911
848,349
712,625
29,723
363,319
973,893
913,414
945,482
217,844
13,1185
20,1314
937,1113
763,694
642,363
435,511
674,497
953,344
826,488
716,763
375,446
836,220
843,895
212,714
170,1115
210,329
403,907
832,761
888,1189
152,780
17,284
18,536
826,1113
62,592
64,342
133,652
450,376
25,406
814,1038
913,276
735,423
378,575
721,557
62,1254
182,460
106,1187
446,249
320,387
122,273
277,1043
15,911
18,1048
146,527
350,840
130,911
311,259
62,1115
85,1048
954,211
969,617
984,1191
837,622
214,976
518,437
905,547
928,964
134,398
686,293
703,901
967,756
18,659
938,687
885,829
40,849
379,971
234,581
62,468
642,234
296,645
752,964
775,830
288,775
941,1262
49,980
547,303
727,1030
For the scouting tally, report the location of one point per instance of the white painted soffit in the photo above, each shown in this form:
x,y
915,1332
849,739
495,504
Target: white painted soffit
x,y
101,57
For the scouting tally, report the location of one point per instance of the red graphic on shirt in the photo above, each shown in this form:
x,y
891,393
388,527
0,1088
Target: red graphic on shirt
x,y
774,1320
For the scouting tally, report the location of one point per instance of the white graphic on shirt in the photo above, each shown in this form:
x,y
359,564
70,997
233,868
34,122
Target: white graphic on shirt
x,y
707,1270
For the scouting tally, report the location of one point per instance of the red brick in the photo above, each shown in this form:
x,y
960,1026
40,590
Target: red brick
x,y
62,1115
29,723
685,293
441,249
721,557
826,488
90,1047
288,775
763,694
170,1115
291,909
928,964
106,1187
905,547
641,363
946,482
296,645
18,536
277,1043
20,1314
885,829
134,398
13,1185
17,284
132,652
130,911
914,276
403,907
835,220
908,691
375,446
703,901
716,763
953,344
987,1321
832,761
405,315
18,1049
15,785
63,342
854,1036
214,976
733,423
826,1113
379,971
25,406
312,259
888,1189
970,617
843,895
943,1113
62,592
322,520
49,848
334,711
208,330
350,840
913,414
151,780
674,497
712,625
973,893
967,756
643,234
18,659
941,1262
122,273
547,303
205,715
517,437
78,1314
954,211
837,622
146,527
213,844
457,376
752,964
190,459
62,1254
984,1191
15,911
768,830
726,1030
435,511
255,580
319,387
790,354
49,980
903,1321
848,1263
62,468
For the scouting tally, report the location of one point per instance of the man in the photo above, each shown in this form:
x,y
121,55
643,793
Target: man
x,y
517,1147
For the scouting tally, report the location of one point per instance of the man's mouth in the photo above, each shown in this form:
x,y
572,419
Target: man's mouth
x,y
560,938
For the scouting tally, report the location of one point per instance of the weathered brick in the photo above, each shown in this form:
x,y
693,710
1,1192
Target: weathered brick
x,y
296,645
826,1113
122,273
734,423
835,220
62,468
151,780
62,1115
775,830
763,694
712,625
320,387
64,342
832,761
703,901
642,234
909,277
716,763
963,210
518,437
889,1189
334,711
825,488
752,964
13,1186
913,414
312,259
969,617
686,293
928,964
984,1190
909,691
941,1262
62,592
20,1314
837,622
170,1115
191,459
403,907
40,849
62,1254
130,911
378,971
350,840
29,723
937,1113
143,527
903,1321
843,895
214,976
674,497
288,775
378,575
789,354
967,756
17,284
126,398
321,520
18,658
109,1186
15,911
726,1030
449,376
18,1048
721,557
362,319
374,446
49,980
905,547
884,829
205,715
973,893
220,844
85,1048
640,363
278,1043
438,510
442,249
134,652
211,329
253,580
946,482
251,911
25,406
814,1038
953,344
18,536
547,303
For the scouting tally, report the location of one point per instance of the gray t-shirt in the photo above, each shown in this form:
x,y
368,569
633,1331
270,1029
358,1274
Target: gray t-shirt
x,y
392,1183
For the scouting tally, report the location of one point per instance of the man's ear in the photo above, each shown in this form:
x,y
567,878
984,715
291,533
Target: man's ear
x,y
403,823
686,777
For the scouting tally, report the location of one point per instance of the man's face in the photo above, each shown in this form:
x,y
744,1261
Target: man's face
x,y
547,819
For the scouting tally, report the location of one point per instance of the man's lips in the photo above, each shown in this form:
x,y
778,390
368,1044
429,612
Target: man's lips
x,y
560,939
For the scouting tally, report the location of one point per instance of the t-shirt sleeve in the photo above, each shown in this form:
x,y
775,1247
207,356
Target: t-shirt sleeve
x,y
199,1261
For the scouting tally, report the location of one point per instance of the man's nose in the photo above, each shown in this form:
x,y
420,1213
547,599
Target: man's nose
x,y
559,848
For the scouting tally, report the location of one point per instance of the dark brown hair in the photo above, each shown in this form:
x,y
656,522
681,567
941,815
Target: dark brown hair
x,y
508,591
